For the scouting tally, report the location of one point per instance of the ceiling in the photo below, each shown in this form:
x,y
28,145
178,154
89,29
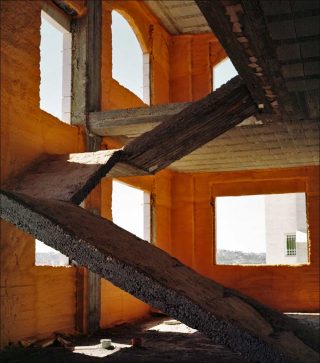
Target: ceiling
x,y
284,40
270,145
179,16
254,144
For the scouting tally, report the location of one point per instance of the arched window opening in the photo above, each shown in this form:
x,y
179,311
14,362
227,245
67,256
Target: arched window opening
x,y
130,66
222,73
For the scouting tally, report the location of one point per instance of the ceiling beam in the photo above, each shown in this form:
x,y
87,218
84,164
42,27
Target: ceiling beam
x,y
133,120
243,32
71,177
191,128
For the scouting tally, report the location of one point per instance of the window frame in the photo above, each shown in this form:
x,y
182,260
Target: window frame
x,y
287,254
247,187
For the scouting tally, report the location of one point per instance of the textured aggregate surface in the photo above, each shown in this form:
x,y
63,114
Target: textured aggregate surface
x,y
158,279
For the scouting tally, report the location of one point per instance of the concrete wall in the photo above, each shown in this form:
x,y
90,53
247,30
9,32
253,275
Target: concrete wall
x,y
29,304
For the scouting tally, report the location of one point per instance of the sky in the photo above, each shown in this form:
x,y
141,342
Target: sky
x,y
240,223
223,72
51,47
128,208
127,56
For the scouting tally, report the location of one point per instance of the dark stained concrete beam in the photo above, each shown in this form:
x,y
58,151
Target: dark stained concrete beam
x,y
72,177
254,33
197,124
150,274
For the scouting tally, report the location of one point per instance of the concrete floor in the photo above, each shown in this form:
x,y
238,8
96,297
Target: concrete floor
x,y
164,340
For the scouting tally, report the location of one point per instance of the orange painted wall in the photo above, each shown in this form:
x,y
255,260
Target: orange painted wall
x,y
181,71
192,59
286,288
29,305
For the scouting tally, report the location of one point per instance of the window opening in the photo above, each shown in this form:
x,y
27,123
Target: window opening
x,y
55,68
291,244
222,73
268,229
48,256
130,66
131,209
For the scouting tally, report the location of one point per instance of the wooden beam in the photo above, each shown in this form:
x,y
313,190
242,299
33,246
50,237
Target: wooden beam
x,y
86,63
65,7
79,29
243,33
94,55
71,177
221,22
93,205
191,128
86,98
244,325
133,121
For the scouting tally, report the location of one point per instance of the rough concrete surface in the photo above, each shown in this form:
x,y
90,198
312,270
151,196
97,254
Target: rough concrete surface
x,y
71,177
150,274
65,177
163,341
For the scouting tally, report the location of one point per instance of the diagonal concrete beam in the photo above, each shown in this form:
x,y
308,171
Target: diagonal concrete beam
x,y
240,323
71,177
191,128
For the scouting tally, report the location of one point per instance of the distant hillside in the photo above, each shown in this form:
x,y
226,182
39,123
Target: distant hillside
x,y
225,257
51,259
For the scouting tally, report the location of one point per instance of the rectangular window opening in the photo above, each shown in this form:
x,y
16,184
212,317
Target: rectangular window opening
x,y
269,229
131,209
291,244
55,68
48,256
